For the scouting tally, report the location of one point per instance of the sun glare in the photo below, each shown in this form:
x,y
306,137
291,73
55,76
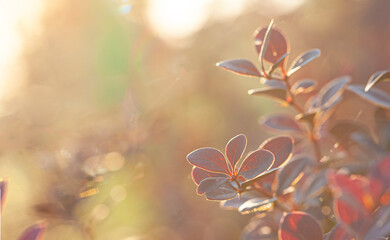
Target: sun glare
x,y
17,18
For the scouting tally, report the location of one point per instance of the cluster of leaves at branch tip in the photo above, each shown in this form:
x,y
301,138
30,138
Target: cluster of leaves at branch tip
x,y
295,187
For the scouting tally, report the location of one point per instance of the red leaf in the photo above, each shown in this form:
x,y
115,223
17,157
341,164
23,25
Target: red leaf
x,y
199,174
234,149
299,226
356,189
34,232
277,44
357,220
209,159
240,66
256,163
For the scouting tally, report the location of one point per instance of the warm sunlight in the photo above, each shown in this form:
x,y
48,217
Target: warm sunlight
x,y
18,18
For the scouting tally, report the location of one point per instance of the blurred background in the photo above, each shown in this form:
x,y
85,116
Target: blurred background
x,y
101,101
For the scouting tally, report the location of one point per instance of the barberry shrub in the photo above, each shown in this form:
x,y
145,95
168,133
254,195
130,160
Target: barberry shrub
x,y
294,190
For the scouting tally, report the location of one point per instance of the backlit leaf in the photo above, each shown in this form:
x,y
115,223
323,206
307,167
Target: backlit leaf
x,y
303,86
281,123
276,93
217,189
275,83
374,96
281,147
303,59
234,149
299,226
256,163
240,66
278,63
277,44
211,184
235,203
261,177
199,174
256,205
332,91
209,159
34,232
376,78
290,173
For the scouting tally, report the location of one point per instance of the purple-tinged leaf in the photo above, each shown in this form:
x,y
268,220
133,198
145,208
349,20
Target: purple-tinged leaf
x,y
338,233
257,205
34,232
199,174
303,86
381,229
275,83
240,66
234,149
312,186
235,203
330,93
299,226
380,181
276,93
281,123
303,59
210,184
281,147
261,177
376,78
290,173
217,189
278,64
276,48
209,159
3,192
374,96
256,163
